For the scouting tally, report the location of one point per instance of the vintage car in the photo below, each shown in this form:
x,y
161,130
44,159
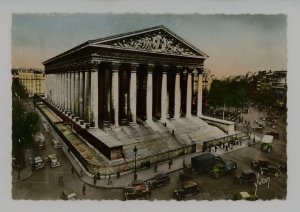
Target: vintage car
x,y
188,188
68,194
270,170
243,195
274,134
39,141
38,163
53,161
137,190
159,180
260,163
246,176
55,144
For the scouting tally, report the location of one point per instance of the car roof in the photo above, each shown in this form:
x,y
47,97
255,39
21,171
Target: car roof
x,y
248,171
160,175
68,191
188,184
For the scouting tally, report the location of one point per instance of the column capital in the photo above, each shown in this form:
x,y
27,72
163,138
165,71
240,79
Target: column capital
x,y
179,69
134,67
115,66
164,69
150,67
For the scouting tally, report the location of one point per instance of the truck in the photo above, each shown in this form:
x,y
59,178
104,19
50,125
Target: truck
x,y
199,164
266,143
203,163
223,168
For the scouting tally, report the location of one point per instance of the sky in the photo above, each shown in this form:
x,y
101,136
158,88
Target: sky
x,y
236,44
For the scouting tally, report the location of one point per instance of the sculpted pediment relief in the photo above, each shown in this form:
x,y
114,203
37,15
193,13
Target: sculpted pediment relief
x,y
157,41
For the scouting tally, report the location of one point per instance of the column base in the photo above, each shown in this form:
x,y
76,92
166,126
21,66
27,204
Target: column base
x,y
133,124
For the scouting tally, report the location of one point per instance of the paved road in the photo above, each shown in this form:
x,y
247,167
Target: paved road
x,y
43,184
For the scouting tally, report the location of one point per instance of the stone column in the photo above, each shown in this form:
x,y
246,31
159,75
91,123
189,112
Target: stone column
x,y
115,92
87,95
70,91
59,88
164,98
189,95
77,92
81,93
149,96
67,91
199,95
94,99
133,92
64,82
177,101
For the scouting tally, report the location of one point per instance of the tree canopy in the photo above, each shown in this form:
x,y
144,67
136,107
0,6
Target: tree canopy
x,y
230,93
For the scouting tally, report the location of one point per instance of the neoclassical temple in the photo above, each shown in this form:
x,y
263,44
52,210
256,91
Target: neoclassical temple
x,y
141,76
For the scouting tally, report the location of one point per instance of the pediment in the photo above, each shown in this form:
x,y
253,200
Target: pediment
x,y
156,41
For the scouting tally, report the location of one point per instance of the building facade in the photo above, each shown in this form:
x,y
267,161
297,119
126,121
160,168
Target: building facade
x,y
33,80
135,77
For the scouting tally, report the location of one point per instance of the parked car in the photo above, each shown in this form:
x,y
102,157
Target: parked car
x,y
68,194
274,134
246,176
53,161
188,188
270,170
138,190
159,180
38,163
55,144
260,163
39,141
245,196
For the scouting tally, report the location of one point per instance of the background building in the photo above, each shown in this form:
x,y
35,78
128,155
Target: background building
x,y
33,80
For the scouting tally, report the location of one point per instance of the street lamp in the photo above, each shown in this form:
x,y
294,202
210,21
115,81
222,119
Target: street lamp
x,y
135,151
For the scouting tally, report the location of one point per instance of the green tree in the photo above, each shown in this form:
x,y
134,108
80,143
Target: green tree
x,y
31,126
18,90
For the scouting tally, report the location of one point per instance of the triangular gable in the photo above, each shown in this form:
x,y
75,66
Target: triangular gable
x,y
156,40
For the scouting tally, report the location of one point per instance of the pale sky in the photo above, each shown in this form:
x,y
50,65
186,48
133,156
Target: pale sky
x,y
236,44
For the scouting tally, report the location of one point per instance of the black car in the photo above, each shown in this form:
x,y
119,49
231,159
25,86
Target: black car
x,y
188,188
159,180
270,170
274,134
246,176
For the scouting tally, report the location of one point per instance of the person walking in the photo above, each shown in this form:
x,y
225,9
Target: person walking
x,y
95,179
170,163
72,169
83,190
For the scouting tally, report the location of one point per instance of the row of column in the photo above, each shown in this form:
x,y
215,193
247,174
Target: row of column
x,y
71,92
77,93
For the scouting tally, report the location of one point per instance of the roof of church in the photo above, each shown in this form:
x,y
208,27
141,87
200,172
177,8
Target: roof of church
x,y
113,41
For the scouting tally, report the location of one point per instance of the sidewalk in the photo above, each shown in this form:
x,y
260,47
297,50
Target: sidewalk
x,y
144,174
24,174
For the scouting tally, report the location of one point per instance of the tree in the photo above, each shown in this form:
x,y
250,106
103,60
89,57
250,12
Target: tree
x,y
31,126
17,131
18,90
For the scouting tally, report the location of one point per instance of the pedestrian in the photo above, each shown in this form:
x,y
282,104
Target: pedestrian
x,y
72,169
118,174
95,179
173,132
98,175
155,168
83,189
109,181
215,148
170,163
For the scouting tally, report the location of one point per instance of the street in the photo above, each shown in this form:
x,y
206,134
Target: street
x,y
44,184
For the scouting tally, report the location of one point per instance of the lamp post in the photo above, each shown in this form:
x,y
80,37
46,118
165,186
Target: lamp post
x,y
135,151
